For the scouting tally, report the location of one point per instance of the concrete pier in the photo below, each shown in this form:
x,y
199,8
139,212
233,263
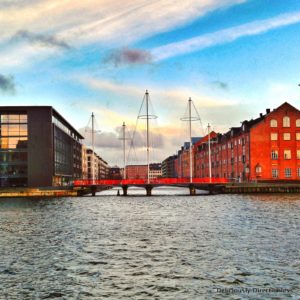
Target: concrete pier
x,y
148,190
192,190
124,188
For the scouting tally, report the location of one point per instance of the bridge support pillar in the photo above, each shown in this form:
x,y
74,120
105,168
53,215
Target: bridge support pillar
x,y
149,190
93,190
192,190
211,189
125,188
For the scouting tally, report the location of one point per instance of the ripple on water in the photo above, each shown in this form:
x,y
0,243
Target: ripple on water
x,y
168,247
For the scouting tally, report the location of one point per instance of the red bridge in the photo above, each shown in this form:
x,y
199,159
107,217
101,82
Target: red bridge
x,y
210,184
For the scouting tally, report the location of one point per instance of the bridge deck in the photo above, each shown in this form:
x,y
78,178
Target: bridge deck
x,y
153,182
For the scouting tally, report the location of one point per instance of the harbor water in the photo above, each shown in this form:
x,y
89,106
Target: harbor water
x,y
167,246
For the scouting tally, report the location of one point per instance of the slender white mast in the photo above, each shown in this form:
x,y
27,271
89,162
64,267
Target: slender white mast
x,y
124,152
209,156
191,144
148,154
93,149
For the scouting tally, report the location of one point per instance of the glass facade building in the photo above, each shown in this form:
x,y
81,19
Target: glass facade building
x,y
38,147
13,149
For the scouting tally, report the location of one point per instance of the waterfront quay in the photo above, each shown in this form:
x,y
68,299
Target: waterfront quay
x,y
192,190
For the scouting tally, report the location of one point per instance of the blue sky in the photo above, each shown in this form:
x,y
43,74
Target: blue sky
x,y
235,58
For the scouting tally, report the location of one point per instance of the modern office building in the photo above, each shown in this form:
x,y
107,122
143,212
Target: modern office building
x,y
38,147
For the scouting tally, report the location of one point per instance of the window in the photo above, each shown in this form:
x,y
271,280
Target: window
x,y
288,172
274,136
286,136
298,123
287,154
275,173
273,123
274,154
298,172
286,121
298,154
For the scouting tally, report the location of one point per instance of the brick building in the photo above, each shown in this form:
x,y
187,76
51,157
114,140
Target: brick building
x,y
136,172
265,148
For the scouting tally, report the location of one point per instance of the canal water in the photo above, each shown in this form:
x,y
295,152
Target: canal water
x,y
168,246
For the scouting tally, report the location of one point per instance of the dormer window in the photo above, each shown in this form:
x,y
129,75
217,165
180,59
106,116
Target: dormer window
x,y
273,123
286,121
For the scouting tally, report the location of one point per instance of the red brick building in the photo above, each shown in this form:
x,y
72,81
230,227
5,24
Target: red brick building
x,y
266,148
137,172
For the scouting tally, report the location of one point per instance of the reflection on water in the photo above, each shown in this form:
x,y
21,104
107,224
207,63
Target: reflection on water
x,y
171,246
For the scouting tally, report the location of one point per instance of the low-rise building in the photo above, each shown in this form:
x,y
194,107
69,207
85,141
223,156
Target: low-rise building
x,y
155,170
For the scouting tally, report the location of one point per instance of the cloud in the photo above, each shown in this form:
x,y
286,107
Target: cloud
x,y
42,39
7,84
127,56
220,84
120,22
171,98
223,36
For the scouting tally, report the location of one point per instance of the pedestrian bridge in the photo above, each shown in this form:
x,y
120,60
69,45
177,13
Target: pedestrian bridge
x,y
210,184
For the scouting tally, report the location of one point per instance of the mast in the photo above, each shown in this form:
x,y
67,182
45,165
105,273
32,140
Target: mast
x,y
209,156
191,144
93,149
124,155
148,154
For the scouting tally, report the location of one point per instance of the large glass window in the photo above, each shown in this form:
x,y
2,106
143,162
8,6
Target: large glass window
x,y
13,149
288,172
273,123
286,136
286,121
275,173
274,154
274,136
287,154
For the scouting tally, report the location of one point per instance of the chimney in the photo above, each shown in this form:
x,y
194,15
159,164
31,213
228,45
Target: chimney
x,y
268,110
261,115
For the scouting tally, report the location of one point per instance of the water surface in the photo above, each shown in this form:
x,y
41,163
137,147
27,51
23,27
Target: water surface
x,y
168,246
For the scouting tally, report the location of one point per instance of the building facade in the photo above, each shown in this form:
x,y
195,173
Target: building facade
x,y
136,172
169,169
38,147
263,149
155,170
97,167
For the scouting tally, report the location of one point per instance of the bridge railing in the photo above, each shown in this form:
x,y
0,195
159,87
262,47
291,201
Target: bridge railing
x,y
156,181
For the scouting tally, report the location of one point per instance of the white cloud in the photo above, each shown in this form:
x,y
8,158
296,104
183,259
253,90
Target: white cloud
x,y
109,22
223,36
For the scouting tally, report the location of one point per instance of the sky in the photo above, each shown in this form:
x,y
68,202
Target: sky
x,y
234,58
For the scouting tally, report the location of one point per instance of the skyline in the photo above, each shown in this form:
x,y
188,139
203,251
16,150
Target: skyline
x,y
234,58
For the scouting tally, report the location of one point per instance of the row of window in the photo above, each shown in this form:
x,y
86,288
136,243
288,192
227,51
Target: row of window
x,y
286,122
287,173
13,130
287,154
13,143
286,136
13,118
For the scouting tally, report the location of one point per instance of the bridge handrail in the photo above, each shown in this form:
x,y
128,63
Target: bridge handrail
x,y
157,181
